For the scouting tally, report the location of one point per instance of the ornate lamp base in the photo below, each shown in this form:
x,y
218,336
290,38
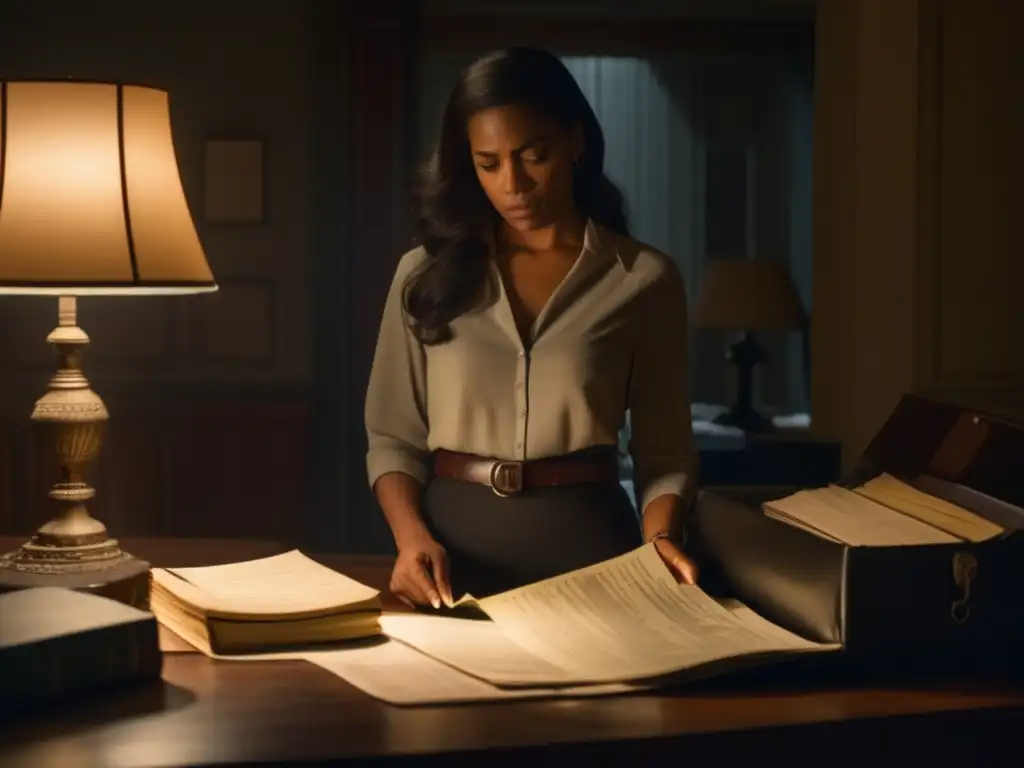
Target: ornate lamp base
x,y
73,550
118,575
94,563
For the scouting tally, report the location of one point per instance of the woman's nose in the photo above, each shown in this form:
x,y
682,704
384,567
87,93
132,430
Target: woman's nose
x,y
514,179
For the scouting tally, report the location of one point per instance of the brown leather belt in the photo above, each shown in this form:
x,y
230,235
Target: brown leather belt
x,y
508,478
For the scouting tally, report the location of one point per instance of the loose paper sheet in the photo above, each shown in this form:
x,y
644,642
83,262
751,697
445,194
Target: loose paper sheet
x,y
398,674
939,513
624,619
482,649
843,515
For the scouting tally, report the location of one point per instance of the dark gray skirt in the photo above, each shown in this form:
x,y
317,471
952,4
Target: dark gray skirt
x,y
498,543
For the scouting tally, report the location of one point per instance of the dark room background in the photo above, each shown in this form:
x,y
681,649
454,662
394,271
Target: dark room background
x,y
846,139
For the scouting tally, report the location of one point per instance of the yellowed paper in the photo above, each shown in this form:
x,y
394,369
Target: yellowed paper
x,y
289,584
194,637
939,513
398,674
842,515
757,623
620,620
478,648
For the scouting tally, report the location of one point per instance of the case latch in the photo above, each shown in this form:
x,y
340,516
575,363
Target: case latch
x,y
965,571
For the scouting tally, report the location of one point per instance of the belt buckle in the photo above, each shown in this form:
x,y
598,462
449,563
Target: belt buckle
x,y
507,478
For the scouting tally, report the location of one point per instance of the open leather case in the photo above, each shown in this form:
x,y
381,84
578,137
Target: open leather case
x,y
940,599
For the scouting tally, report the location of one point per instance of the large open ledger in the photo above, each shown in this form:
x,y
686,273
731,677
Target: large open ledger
x,y
623,620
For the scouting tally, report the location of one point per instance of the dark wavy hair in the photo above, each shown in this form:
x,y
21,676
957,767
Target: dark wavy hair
x,y
453,213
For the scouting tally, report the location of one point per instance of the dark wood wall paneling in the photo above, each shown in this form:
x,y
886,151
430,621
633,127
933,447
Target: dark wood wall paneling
x,y
606,36
231,454
382,41
333,461
205,466
246,462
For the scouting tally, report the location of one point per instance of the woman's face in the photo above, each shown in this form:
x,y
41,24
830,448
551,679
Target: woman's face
x,y
525,165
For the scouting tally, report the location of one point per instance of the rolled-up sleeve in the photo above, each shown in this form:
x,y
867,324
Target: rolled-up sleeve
x,y
661,428
396,405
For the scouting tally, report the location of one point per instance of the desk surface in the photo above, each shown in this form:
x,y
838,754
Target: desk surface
x,y
236,713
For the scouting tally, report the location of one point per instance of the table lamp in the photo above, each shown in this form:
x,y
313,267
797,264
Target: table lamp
x,y
747,295
90,204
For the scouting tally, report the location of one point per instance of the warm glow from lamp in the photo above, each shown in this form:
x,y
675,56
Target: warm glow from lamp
x,y
90,198
90,203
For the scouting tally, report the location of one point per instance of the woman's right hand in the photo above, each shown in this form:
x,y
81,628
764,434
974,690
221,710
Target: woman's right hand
x,y
420,575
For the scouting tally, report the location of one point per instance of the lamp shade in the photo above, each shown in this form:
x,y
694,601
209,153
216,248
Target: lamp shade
x,y
90,197
749,295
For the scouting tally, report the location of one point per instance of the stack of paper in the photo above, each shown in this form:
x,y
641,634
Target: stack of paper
x,y
841,515
933,511
263,605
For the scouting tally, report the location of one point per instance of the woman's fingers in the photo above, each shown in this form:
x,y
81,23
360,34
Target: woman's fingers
x,y
422,580
406,589
404,599
439,561
682,567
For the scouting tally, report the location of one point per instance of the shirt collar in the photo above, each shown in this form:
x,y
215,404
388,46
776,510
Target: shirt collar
x,y
597,240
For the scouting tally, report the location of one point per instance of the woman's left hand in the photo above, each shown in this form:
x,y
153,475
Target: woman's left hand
x,y
682,567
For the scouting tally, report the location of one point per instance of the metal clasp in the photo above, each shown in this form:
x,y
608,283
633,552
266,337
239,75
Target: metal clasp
x,y
507,478
965,570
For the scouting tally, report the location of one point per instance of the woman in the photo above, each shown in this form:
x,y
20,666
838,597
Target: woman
x,y
513,341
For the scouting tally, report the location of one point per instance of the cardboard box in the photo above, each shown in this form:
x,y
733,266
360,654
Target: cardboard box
x,y
896,599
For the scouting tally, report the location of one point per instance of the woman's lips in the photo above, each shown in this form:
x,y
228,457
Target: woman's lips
x,y
519,212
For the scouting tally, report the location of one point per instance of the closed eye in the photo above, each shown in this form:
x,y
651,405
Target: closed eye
x,y
532,151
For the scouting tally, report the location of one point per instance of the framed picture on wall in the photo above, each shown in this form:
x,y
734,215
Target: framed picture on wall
x,y
234,182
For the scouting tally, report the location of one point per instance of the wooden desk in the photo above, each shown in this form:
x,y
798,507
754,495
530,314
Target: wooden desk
x,y
240,713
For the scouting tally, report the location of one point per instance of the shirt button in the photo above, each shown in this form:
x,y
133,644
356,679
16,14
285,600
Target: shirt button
x,y
522,353
522,411
519,446
519,385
